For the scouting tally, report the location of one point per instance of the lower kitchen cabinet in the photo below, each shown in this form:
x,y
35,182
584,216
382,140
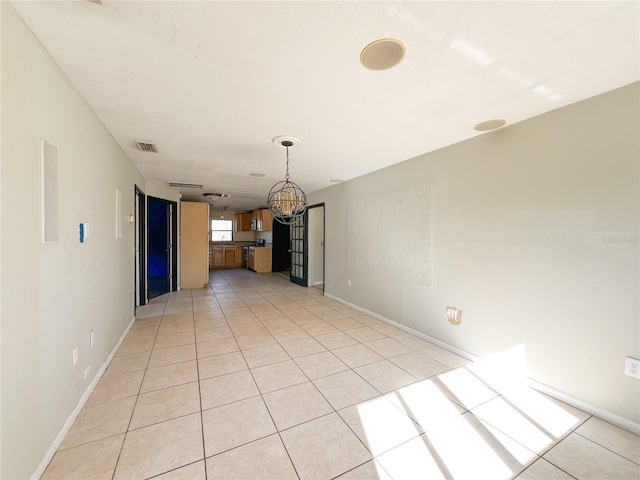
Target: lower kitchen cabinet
x,y
216,258
260,259
225,256
229,256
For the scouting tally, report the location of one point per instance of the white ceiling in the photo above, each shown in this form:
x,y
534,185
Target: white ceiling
x,y
211,83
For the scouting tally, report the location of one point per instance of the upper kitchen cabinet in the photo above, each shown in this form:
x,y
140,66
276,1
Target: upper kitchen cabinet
x,y
243,222
194,245
261,220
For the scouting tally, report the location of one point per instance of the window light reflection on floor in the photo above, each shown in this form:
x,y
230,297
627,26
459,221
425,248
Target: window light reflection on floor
x,y
383,426
495,438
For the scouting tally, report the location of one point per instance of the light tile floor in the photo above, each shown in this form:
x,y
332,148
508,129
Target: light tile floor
x,y
255,377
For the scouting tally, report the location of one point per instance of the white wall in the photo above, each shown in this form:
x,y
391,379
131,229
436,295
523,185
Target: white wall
x,y
160,190
53,295
532,230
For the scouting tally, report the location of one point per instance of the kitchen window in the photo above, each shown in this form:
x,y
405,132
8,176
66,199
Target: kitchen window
x,y
221,230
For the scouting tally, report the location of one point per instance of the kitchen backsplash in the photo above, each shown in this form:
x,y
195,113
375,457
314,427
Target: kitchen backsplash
x,y
244,236
267,236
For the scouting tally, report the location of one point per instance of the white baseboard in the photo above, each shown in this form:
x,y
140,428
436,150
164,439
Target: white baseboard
x,y
53,448
320,282
594,410
410,330
606,415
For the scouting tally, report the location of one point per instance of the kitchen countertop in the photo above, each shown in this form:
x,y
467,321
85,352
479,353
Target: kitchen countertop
x,y
239,244
232,244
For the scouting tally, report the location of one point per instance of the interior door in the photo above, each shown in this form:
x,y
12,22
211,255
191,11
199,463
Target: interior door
x,y
299,272
159,238
140,284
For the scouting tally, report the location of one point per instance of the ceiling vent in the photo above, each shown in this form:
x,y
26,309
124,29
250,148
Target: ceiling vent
x,y
185,185
216,195
147,147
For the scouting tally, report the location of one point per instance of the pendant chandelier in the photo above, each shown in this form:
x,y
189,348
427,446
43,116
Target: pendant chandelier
x,y
287,202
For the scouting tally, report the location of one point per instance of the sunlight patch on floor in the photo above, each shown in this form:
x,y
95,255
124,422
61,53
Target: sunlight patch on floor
x,y
479,418
384,426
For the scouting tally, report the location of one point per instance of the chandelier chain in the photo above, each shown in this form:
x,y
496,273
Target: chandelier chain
x,y
286,177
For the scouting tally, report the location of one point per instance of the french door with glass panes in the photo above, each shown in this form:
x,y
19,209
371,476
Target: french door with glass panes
x,y
299,251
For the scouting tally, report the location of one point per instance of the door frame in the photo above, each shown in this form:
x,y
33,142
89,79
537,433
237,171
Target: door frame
x,y
140,241
173,240
324,234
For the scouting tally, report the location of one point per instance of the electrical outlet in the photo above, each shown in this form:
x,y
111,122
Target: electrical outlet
x,y
348,283
87,371
632,367
74,354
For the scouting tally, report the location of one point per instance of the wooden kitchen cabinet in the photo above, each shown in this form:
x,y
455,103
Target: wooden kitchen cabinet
x,y
194,244
217,257
265,220
225,256
262,217
239,253
243,222
229,256
260,259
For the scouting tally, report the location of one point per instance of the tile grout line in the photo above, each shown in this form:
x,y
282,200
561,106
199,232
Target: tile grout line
x,y
268,411
335,411
115,468
598,444
314,337
204,451
549,460
271,417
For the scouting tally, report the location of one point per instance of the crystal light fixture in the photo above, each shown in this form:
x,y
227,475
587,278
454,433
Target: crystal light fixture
x,y
287,202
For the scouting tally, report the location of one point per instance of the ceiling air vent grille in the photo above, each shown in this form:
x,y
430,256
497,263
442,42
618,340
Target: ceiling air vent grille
x,y
147,147
185,185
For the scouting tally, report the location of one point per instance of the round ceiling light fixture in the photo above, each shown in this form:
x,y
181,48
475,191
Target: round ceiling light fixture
x,y
490,125
383,54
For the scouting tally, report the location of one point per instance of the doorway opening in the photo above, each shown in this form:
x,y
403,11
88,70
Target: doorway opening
x,y
162,230
315,249
140,276
281,248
